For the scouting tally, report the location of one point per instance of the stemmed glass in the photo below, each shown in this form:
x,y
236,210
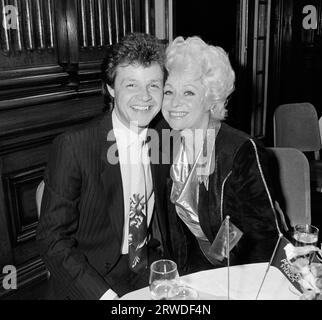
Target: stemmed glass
x,y
165,283
164,279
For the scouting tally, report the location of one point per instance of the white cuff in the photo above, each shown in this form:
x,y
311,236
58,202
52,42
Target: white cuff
x,y
109,295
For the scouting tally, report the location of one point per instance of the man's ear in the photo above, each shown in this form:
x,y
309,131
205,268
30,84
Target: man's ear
x,y
110,90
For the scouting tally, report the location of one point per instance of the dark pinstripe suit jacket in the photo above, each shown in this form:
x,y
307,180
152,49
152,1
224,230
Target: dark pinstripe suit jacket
x,y
81,223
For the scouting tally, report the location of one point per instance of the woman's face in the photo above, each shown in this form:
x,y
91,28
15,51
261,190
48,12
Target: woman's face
x,y
185,105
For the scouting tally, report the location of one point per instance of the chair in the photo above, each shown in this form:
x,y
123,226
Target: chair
x,y
320,126
294,183
296,125
39,193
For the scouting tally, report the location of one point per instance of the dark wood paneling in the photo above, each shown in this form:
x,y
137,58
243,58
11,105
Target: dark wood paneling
x,y
21,189
26,135
46,97
5,252
295,64
30,277
45,116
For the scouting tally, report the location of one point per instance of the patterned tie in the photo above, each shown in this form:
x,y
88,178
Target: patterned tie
x,y
138,220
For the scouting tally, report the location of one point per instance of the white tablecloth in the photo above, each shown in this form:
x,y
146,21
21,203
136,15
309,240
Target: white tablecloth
x,y
245,281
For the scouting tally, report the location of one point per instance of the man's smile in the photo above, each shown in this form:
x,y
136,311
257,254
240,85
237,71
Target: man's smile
x,y
141,108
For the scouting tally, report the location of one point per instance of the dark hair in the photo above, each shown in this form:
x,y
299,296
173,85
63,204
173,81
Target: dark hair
x,y
134,48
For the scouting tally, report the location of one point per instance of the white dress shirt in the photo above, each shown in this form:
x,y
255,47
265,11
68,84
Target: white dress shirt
x,y
130,150
129,144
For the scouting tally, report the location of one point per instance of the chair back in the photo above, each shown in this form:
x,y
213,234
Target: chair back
x,y
294,178
39,193
320,126
296,125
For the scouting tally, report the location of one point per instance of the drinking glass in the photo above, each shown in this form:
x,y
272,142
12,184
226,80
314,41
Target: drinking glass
x,y
305,235
164,279
184,292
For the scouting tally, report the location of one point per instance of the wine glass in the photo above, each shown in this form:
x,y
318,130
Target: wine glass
x,y
164,279
184,292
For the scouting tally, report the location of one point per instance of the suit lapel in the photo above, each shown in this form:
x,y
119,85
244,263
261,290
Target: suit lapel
x,y
209,201
157,181
111,176
208,215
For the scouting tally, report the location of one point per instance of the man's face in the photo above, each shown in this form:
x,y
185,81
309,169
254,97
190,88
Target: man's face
x,y
138,93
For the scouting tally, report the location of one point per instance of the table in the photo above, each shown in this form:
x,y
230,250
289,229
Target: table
x,y
245,281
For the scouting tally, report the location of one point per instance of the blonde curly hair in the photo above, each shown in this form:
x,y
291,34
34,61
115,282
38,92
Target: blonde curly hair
x,y
215,69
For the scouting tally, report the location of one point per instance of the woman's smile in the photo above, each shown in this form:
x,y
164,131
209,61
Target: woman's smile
x,y
177,114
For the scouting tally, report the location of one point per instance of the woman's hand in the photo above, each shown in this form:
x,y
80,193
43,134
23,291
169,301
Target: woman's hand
x,y
316,271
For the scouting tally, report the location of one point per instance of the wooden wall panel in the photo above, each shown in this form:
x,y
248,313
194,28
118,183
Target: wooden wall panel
x,y
21,188
26,135
5,252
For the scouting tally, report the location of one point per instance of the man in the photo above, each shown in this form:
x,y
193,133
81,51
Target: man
x,y
102,207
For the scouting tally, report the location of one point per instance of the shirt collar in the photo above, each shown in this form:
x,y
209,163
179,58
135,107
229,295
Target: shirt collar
x,y
126,135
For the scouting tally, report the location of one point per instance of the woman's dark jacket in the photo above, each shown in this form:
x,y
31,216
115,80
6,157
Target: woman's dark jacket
x,y
240,187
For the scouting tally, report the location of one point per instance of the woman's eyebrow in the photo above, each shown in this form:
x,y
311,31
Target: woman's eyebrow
x,y
190,85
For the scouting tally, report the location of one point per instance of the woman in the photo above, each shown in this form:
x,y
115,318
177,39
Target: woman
x,y
217,171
